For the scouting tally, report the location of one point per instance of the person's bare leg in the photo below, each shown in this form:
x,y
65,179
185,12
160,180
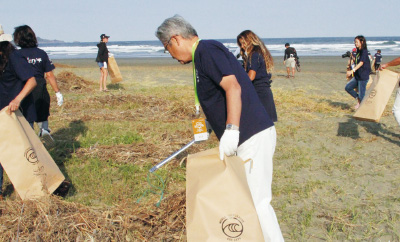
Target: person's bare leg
x,y
288,72
105,79
358,104
101,79
293,70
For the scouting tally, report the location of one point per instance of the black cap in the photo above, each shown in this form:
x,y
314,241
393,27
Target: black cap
x,y
104,36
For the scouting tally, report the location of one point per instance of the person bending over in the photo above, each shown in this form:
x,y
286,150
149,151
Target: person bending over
x,y
232,107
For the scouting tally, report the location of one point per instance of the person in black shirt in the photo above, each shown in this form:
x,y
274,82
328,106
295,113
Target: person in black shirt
x,y
102,61
378,59
231,105
43,68
289,59
258,64
16,83
360,72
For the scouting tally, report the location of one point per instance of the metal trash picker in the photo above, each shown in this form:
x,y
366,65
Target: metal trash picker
x,y
202,130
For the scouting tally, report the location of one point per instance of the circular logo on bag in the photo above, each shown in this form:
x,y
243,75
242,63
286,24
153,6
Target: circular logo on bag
x,y
372,94
232,226
30,156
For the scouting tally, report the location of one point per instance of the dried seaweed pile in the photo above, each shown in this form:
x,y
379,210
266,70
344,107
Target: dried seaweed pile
x,y
147,107
135,153
55,220
59,65
70,81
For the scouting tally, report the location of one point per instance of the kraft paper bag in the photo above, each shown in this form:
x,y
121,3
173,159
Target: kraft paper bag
x,y
370,81
219,206
113,69
26,161
377,96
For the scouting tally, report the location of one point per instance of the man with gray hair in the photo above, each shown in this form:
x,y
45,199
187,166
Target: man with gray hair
x,y
232,107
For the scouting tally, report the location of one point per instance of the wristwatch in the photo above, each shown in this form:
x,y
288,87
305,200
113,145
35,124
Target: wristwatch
x,y
232,127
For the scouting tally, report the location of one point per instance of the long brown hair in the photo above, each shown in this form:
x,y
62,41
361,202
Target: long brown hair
x,y
5,50
363,42
256,45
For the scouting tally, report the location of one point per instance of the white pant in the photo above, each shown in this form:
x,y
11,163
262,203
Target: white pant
x,y
260,148
396,107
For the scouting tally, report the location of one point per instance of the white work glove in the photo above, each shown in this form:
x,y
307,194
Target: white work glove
x,y
60,99
229,143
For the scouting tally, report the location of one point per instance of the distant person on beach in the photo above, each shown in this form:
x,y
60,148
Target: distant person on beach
x,y
43,68
378,59
258,64
233,109
238,55
353,58
360,73
289,59
16,84
102,61
396,106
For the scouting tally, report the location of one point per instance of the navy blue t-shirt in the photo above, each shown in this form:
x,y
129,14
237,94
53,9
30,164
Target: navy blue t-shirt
x,y
257,64
362,74
213,61
39,60
378,58
13,80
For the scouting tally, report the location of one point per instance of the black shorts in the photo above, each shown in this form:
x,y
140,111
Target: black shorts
x,y
41,98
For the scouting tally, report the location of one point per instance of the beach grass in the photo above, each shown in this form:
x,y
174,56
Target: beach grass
x,y
335,178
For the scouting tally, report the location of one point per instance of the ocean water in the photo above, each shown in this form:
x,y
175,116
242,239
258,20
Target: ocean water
x,y
329,46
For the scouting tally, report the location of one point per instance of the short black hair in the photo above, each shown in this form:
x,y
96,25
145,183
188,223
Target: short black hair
x,y
25,37
287,44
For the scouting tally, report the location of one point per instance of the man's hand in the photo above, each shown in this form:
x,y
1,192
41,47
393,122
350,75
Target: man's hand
x,y
229,143
60,99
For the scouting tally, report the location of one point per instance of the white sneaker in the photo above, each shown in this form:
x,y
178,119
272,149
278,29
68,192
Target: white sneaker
x,y
46,137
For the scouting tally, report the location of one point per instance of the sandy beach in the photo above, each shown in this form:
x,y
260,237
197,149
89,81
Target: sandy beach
x,y
335,178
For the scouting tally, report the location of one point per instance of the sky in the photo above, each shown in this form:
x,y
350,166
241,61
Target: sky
x,y
134,20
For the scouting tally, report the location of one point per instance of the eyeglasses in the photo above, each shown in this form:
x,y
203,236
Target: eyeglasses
x,y
165,47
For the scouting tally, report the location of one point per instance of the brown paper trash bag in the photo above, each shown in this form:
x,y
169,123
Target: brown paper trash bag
x,y
219,206
369,83
377,96
26,161
113,69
